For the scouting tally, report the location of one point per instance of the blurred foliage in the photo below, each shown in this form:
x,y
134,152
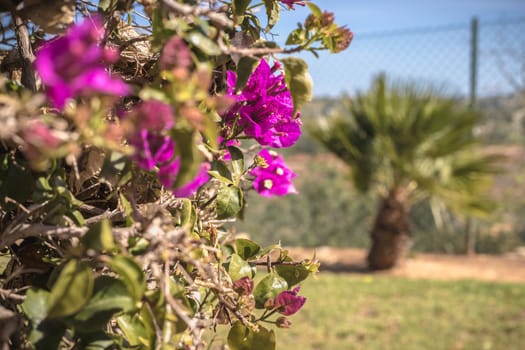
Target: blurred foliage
x,y
119,170
324,188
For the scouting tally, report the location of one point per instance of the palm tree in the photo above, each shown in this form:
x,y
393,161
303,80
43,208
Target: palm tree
x,y
408,144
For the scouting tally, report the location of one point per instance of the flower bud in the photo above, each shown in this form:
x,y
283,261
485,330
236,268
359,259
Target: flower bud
x,y
343,37
327,19
260,162
243,286
269,304
311,22
283,322
175,55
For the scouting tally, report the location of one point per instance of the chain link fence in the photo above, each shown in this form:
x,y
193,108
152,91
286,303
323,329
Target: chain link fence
x,y
443,56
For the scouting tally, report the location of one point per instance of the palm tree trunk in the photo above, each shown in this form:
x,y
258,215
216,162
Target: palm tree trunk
x,y
390,233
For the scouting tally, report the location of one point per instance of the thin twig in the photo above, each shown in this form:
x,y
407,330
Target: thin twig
x,y
22,231
257,51
26,53
191,323
275,263
187,10
6,293
39,230
132,41
105,215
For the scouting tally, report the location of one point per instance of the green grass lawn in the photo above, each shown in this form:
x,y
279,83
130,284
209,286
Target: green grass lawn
x,y
379,312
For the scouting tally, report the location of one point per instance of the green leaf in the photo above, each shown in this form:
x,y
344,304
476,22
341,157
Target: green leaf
x,y
187,216
35,305
211,127
239,268
268,288
266,250
218,176
298,81
221,172
134,330
104,5
204,43
138,329
137,245
77,217
48,335
97,341
237,160
293,274
131,274
245,68
4,261
316,11
240,6
99,237
72,289
190,156
229,201
246,248
42,184
44,334
296,37
241,337
110,296
150,93
273,12
128,209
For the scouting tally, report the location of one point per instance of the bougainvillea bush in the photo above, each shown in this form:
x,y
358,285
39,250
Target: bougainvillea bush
x,y
129,133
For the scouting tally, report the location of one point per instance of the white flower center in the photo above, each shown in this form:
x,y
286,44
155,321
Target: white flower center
x,y
279,171
268,184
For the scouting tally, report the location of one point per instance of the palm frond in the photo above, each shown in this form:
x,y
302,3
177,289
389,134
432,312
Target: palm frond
x,y
403,135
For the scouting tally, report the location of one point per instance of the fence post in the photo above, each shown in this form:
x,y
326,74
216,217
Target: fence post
x,y
473,60
470,234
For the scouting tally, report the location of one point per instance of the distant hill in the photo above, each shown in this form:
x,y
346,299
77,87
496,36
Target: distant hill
x,y
503,122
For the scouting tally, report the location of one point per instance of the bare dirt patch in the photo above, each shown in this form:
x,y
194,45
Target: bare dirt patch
x,y
504,268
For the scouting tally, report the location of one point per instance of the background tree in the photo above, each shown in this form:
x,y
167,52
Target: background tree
x,y
406,144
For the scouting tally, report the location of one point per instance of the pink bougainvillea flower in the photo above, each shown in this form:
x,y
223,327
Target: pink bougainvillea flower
x,y
264,108
190,188
243,286
75,64
283,134
40,135
148,125
175,55
169,172
152,115
288,302
276,178
38,139
291,3
152,149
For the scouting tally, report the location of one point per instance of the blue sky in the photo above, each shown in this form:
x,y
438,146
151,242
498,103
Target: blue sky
x,y
379,16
